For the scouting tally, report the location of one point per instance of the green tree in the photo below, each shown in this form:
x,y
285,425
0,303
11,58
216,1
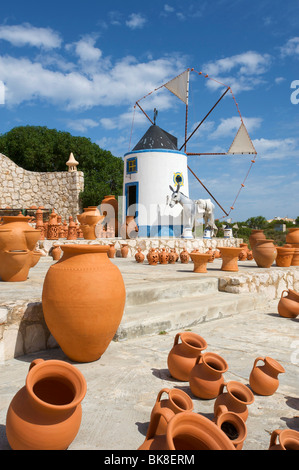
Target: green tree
x,y
258,222
37,148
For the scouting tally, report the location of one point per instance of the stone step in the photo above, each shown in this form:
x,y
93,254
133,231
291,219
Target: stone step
x,y
169,314
159,291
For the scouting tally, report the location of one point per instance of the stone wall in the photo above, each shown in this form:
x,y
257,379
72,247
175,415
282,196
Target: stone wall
x,y
20,189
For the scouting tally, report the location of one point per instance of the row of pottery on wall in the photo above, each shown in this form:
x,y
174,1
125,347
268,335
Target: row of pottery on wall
x,y
175,426
265,252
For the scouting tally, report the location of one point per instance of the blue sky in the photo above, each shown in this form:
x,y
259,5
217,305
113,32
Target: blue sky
x,y
81,66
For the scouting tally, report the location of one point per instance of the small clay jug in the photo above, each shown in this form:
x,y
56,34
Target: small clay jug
x,y
139,256
264,252
232,425
184,256
177,402
56,252
206,377
112,250
46,413
182,357
236,399
263,379
153,257
288,306
124,251
284,439
172,257
163,256
255,234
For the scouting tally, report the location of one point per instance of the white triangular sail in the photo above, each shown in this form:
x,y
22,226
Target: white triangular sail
x,y
242,142
179,86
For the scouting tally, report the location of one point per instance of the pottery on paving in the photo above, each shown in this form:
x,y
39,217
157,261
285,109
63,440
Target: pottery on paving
x,y
46,413
264,252
232,425
230,256
181,359
83,301
206,377
200,261
288,306
236,399
263,379
284,439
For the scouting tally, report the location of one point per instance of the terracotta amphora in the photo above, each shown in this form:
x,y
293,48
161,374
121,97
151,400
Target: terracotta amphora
x,y
83,301
46,413
236,399
206,377
293,235
264,252
255,234
230,256
139,256
288,306
184,256
111,251
284,439
182,356
177,402
263,379
232,425
124,251
200,261
284,256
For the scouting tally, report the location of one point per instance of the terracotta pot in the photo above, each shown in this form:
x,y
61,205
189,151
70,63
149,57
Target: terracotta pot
x,y
83,301
293,235
139,256
264,253
244,252
111,251
177,402
46,413
232,425
284,256
211,253
153,257
255,234
288,306
236,399
56,252
263,379
17,234
15,264
200,261
184,256
124,251
88,220
110,205
172,258
230,256
295,259
182,357
249,255
206,376
217,254
163,256
284,439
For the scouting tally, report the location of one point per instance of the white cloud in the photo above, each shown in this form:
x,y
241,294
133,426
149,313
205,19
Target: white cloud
x,y
26,34
86,50
168,8
231,125
136,21
269,149
81,125
291,47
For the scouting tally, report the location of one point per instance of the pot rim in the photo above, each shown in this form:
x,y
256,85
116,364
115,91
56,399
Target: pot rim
x,y
244,388
84,248
202,344
275,364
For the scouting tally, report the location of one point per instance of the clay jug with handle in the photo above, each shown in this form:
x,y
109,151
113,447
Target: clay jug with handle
x,y
263,379
182,357
206,377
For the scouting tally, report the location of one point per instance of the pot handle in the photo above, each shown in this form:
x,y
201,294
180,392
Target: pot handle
x,y
199,357
258,359
283,293
220,410
35,362
176,339
222,387
274,436
166,390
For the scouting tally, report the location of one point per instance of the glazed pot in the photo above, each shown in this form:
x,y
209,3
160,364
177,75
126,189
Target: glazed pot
x,y
184,256
293,235
200,261
263,379
46,413
264,252
284,256
232,425
236,399
206,376
288,306
284,439
255,234
177,402
182,356
83,301
230,256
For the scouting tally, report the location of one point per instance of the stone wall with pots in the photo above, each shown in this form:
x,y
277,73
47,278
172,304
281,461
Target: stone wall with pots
x,y
21,189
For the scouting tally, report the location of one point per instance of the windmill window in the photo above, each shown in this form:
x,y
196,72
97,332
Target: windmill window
x,y
132,165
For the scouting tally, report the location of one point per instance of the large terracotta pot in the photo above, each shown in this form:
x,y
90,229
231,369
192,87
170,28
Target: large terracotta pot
x,y
236,399
189,431
264,252
182,356
206,376
284,439
255,234
288,306
284,256
293,235
200,261
110,205
230,256
232,425
263,379
46,413
83,301
177,402
88,220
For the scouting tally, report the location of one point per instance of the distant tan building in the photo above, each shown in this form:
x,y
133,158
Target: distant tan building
x,y
284,219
